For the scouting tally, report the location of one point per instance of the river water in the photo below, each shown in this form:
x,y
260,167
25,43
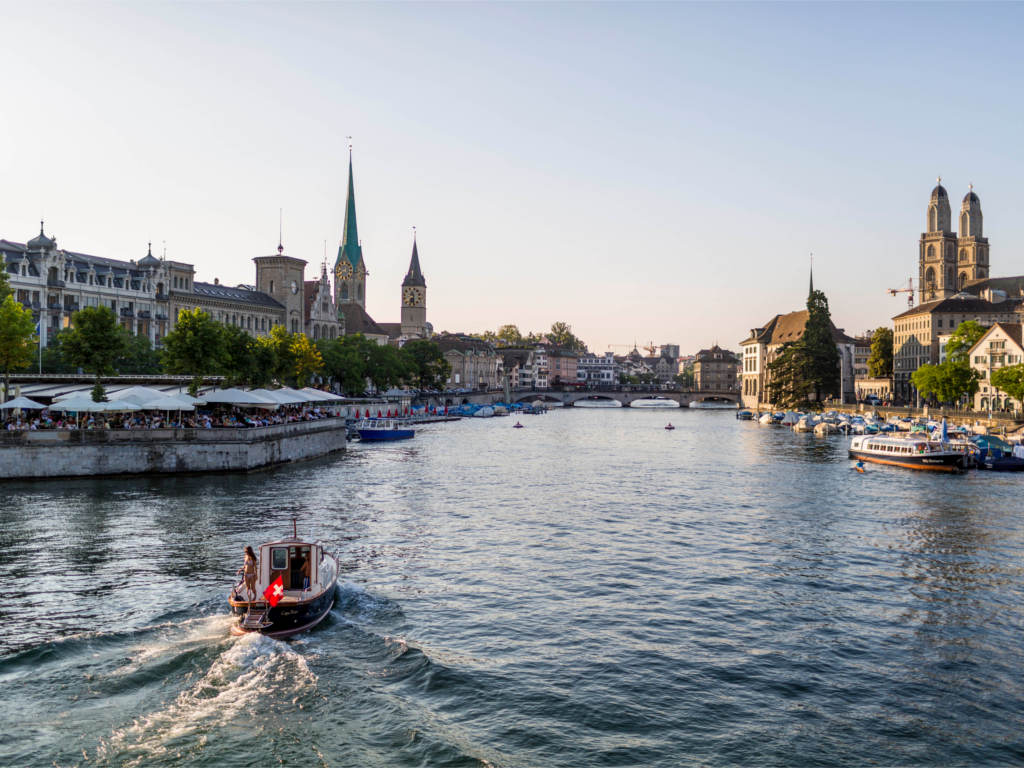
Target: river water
x,y
591,590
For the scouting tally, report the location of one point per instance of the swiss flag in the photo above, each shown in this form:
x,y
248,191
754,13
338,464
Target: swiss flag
x,y
274,592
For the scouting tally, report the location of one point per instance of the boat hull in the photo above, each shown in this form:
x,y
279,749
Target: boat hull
x,y
929,462
287,619
379,435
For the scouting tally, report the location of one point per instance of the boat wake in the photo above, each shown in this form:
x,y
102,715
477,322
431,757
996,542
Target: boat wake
x,y
232,692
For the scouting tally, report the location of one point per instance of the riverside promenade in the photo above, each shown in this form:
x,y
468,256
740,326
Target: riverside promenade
x,y
54,453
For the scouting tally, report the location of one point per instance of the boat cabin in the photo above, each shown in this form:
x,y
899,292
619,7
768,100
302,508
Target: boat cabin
x,y
297,562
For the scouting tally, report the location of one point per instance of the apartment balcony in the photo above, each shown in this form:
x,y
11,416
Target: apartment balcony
x,y
162,297
127,312
54,282
144,314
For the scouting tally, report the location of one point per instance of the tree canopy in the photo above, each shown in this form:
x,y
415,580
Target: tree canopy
x,y
1010,379
5,283
17,339
880,361
809,365
95,341
963,338
195,347
429,369
947,382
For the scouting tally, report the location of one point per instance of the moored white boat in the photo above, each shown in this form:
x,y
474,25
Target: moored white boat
x,y
708,405
597,402
909,452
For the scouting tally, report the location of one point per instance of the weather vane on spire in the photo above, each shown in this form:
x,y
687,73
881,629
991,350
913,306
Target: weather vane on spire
x,y
414,233
280,231
938,179
349,144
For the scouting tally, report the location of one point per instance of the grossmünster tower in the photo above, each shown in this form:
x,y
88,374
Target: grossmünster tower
x,y
947,263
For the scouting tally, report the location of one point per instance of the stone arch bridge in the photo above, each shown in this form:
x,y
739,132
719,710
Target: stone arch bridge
x,y
625,397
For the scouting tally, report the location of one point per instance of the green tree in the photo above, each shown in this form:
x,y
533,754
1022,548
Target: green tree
x,y
96,342
880,361
194,348
17,339
789,384
1010,379
509,336
819,348
387,367
946,383
139,356
963,338
346,361
54,360
280,340
5,283
306,360
685,377
429,368
237,353
561,335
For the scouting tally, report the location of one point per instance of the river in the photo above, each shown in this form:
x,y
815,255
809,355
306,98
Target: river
x,y
592,590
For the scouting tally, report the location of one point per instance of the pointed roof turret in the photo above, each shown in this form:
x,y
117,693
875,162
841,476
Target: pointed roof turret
x,y
414,276
810,289
350,248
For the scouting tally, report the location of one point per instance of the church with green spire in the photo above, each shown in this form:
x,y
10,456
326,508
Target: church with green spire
x,y
350,286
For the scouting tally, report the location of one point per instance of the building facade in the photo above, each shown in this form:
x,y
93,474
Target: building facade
x,y
562,366
917,333
716,370
1001,345
763,345
475,363
597,371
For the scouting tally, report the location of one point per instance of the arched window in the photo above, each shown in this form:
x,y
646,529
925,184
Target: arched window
x,y
931,255
933,214
344,291
929,278
963,281
271,286
316,332
963,254
333,333
964,226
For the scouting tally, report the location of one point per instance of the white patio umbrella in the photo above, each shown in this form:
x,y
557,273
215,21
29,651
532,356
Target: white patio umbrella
x,y
73,393
280,396
319,396
166,404
135,394
24,403
119,406
81,403
239,397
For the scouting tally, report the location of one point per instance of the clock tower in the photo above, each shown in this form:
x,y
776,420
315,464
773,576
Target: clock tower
x,y
281,277
349,268
414,298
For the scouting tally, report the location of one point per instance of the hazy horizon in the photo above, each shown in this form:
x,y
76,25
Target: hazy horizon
x,y
641,171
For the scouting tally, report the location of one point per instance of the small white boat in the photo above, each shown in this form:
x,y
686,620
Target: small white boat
x,y
597,402
790,418
766,418
805,424
824,428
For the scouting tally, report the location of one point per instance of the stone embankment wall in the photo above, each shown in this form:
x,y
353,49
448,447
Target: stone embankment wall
x,y
71,453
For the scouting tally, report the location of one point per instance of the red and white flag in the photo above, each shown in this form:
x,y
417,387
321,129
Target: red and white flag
x,y
274,592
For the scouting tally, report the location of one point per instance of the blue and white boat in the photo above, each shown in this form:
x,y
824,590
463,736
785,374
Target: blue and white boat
x,y
383,429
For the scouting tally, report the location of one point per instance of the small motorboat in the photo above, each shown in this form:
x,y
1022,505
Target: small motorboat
x,y
517,425
382,429
669,426
744,415
295,586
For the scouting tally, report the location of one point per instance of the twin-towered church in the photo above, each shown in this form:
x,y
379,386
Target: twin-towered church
x,y
350,287
947,263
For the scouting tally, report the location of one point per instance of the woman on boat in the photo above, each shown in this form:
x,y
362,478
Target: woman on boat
x,y
248,571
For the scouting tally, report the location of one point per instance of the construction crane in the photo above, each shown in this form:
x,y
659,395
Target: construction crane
x,y
909,290
651,349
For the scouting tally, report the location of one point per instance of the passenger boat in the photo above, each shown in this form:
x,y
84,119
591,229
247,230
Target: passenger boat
x,y
912,453
744,415
383,429
595,401
295,585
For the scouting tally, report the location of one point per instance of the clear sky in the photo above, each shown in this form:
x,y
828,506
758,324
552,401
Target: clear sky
x,y
642,171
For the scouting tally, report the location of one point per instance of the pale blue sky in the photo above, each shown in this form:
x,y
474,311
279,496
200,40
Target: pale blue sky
x,y
641,171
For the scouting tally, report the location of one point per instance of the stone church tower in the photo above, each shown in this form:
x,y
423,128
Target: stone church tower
x,y
414,299
282,278
349,268
937,275
972,259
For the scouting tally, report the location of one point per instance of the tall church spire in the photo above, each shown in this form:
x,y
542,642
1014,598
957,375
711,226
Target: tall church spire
x,y
350,248
414,276
810,289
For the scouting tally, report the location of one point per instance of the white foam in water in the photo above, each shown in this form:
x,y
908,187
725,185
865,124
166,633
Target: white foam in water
x,y
169,639
238,683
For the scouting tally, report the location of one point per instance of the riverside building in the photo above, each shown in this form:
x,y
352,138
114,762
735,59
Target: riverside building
x,y
147,295
954,285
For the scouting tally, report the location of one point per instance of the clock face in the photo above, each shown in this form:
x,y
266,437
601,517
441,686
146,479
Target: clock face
x,y
414,297
295,287
343,271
